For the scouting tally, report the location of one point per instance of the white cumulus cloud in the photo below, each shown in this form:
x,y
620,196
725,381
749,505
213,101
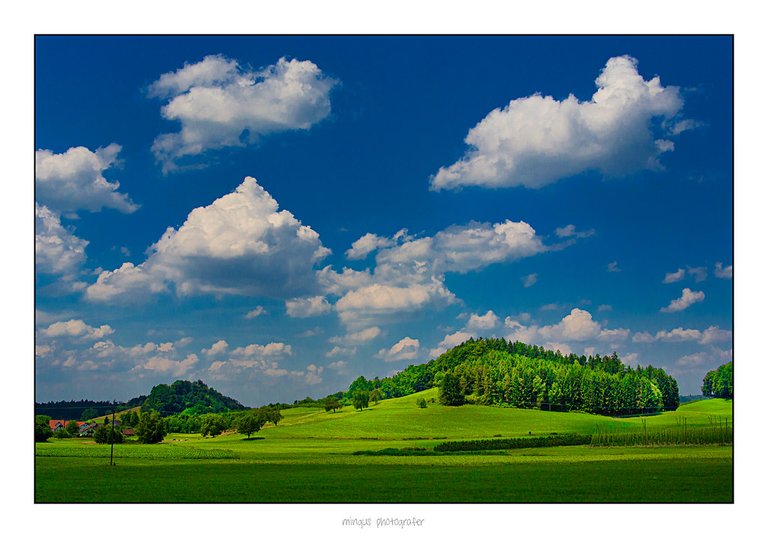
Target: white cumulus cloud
x,y
406,349
74,180
576,326
357,337
537,140
723,272
450,341
256,312
675,276
306,307
57,250
409,274
686,299
76,328
219,347
166,365
487,321
363,305
220,103
240,244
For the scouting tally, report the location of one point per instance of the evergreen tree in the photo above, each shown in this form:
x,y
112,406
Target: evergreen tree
x,y
450,390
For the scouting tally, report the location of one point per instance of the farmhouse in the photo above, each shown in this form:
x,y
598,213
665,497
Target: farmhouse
x,y
56,425
87,429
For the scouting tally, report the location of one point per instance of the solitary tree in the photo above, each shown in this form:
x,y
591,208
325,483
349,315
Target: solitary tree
x,y
360,399
331,403
270,414
249,423
151,428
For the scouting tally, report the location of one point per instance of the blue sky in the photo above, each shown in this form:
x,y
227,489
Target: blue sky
x,y
471,186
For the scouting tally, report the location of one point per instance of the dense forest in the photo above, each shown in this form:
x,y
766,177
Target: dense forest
x,y
495,371
719,383
192,398
83,409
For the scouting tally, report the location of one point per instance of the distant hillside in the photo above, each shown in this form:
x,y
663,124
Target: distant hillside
x,y
192,398
494,371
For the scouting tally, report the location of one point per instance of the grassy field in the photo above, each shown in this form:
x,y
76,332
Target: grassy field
x,y
309,458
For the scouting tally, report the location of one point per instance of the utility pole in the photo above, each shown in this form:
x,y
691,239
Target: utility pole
x,y
112,436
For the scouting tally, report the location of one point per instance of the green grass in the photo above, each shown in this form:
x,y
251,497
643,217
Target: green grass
x,y
310,457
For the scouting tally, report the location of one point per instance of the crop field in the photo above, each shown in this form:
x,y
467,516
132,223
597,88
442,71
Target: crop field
x,y
310,457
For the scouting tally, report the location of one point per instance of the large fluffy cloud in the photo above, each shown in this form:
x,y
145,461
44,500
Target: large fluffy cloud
x,y
74,180
368,304
57,251
536,140
465,248
240,244
220,103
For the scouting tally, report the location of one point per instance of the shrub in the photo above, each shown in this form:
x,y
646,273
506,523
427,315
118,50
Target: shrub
x,y
107,435
422,403
62,433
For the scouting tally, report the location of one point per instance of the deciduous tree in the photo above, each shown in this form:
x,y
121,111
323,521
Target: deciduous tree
x,y
42,429
151,428
249,423
360,399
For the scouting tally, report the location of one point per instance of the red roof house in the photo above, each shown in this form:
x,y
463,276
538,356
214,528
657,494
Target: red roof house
x,y
59,424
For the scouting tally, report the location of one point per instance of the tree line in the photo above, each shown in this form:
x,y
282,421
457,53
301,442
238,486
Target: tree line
x,y
719,382
151,427
84,410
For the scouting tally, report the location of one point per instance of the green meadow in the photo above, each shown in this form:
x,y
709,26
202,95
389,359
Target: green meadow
x,y
309,457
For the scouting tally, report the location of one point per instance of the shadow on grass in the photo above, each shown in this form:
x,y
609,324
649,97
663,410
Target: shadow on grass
x,y
253,439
